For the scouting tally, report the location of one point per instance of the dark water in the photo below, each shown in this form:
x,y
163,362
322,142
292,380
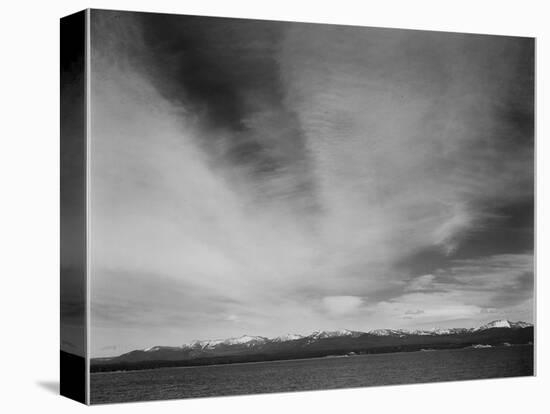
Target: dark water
x,y
312,374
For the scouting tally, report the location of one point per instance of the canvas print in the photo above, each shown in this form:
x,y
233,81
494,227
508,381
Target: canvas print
x,y
282,206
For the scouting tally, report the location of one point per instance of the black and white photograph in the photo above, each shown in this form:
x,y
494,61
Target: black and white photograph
x,y
282,206
275,207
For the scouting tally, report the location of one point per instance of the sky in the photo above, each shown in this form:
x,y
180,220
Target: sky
x,y
264,178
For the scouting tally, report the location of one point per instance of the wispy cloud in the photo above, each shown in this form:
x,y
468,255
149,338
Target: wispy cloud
x,y
271,185
467,290
342,305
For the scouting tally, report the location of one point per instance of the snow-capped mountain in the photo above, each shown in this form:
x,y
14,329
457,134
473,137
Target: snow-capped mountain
x,y
344,342
449,331
253,341
246,340
160,348
405,332
287,337
387,332
503,323
495,324
333,334
203,344
521,324
213,343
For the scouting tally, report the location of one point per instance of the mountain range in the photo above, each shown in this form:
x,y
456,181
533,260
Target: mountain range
x,y
343,342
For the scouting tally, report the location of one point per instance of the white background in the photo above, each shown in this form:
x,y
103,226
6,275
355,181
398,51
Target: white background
x,y
29,204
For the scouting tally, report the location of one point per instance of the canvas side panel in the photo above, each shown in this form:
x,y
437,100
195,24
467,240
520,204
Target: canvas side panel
x,y
73,207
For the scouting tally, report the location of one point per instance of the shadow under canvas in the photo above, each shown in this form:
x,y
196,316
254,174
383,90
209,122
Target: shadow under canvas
x,y
50,386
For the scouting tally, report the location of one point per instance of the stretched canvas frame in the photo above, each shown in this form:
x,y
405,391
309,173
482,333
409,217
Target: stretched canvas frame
x,y
328,202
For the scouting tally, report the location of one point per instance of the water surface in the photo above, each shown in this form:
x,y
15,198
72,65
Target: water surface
x,y
312,374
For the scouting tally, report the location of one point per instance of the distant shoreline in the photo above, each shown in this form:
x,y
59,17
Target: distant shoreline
x,y
500,346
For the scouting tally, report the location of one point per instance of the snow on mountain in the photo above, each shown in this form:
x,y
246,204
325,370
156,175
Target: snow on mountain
x,y
521,324
386,332
333,334
160,348
441,331
403,332
241,340
503,323
250,341
287,337
416,332
245,339
152,349
205,344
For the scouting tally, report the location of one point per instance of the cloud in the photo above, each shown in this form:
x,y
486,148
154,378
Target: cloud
x,y
232,318
414,312
499,284
342,305
408,146
439,307
421,283
267,185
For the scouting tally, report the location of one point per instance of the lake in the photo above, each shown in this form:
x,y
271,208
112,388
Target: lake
x,y
312,374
